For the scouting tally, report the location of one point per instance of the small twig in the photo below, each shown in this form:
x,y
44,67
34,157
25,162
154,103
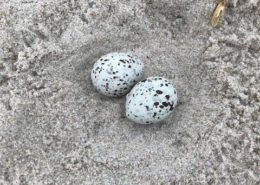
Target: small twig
x,y
219,8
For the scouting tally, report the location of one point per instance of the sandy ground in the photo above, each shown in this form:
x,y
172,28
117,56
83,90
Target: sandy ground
x,y
56,129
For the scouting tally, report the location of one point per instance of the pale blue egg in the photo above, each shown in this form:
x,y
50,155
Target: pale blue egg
x,y
151,100
116,73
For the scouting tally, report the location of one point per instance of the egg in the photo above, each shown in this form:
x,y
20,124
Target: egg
x,y
151,100
115,74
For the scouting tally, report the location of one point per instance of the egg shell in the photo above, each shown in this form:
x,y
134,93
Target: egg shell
x,y
115,74
151,100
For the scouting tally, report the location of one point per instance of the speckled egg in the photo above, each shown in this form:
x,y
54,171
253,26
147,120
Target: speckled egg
x,y
115,74
151,100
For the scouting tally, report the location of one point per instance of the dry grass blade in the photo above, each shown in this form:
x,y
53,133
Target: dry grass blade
x,y
216,13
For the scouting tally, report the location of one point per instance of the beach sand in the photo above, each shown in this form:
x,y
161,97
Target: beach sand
x,y
56,129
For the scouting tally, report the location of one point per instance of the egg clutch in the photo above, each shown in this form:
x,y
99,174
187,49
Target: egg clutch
x,y
149,101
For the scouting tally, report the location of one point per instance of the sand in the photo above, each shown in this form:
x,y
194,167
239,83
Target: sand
x,y
56,129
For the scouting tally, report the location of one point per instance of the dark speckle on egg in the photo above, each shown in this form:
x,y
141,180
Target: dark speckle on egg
x,y
165,104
